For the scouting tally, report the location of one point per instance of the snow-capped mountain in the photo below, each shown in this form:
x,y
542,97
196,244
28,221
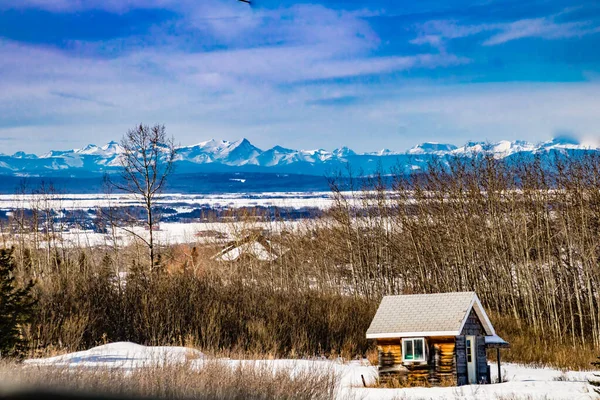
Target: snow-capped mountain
x,y
236,153
241,155
432,148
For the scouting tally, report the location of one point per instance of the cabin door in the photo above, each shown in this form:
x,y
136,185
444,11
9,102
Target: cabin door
x,y
471,360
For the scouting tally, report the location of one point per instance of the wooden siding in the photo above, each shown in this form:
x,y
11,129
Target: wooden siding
x,y
482,366
473,327
461,361
443,362
390,352
438,370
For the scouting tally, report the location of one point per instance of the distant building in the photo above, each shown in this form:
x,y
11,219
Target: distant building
x,y
434,339
254,246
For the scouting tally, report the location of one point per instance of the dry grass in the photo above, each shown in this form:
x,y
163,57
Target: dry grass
x,y
528,350
212,380
529,347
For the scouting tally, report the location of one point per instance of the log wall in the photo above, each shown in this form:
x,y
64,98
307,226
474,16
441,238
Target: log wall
x,y
440,368
390,352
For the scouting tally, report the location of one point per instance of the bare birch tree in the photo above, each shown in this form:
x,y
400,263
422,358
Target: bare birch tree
x,y
147,161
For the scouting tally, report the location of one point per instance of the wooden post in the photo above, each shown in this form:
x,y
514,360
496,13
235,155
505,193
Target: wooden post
x,y
499,371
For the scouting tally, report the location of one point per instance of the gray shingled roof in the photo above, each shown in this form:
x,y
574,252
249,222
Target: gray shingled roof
x,y
437,314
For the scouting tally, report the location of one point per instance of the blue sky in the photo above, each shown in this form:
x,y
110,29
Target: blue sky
x,y
302,74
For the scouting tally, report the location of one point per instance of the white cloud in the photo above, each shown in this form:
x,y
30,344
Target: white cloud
x,y
497,111
545,28
436,33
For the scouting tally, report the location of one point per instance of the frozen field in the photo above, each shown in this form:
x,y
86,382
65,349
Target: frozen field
x,y
173,233
523,382
321,200
75,214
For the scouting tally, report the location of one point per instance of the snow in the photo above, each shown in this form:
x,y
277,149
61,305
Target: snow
x,y
523,381
124,355
242,153
432,148
254,248
382,152
237,153
322,200
495,339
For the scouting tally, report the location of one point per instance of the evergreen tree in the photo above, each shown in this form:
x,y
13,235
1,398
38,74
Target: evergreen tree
x,y
16,307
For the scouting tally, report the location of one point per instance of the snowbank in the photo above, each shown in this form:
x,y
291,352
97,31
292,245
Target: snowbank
x,y
122,355
523,382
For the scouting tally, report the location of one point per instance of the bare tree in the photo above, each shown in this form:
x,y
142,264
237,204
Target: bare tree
x,y
147,160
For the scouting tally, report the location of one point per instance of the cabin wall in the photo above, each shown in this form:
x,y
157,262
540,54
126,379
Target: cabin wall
x,y
483,373
439,369
473,327
442,357
390,352
462,377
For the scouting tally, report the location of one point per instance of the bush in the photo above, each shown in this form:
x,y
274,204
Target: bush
x,y
212,380
184,309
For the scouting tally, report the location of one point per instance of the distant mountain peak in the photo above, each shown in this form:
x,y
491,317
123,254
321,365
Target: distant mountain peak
x,y
22,154
219,155
562,142
565,139
383,152
283,150
432,148
343,152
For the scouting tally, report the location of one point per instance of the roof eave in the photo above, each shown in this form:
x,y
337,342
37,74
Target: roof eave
x,y
398,335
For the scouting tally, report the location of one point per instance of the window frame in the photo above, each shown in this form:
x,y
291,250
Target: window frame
x,y
469,352
423,359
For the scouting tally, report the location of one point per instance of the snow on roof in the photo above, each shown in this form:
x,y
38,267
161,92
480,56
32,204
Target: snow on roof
x,y
440,314
261,249
496,341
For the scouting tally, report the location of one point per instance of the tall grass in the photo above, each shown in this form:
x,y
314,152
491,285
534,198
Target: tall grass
x,y
204,312
210,380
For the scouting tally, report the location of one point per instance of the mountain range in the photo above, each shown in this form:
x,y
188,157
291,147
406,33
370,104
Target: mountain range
x,y
243,156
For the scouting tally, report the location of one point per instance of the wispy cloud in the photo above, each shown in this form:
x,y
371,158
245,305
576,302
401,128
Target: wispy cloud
x,y
81,98
437,32
544,28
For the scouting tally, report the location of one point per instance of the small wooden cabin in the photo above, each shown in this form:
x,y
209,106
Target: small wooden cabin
x,y
434,339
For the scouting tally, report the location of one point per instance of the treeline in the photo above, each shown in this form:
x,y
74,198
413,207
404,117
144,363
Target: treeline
x,y
524,235
83,304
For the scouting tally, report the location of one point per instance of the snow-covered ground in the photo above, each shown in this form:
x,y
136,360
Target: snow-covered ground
x,y
523,382
169,232
174,233
321,200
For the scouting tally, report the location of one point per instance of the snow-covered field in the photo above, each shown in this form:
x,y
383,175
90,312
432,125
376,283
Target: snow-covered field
x,y
172,233
169,232
320,200
523,382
